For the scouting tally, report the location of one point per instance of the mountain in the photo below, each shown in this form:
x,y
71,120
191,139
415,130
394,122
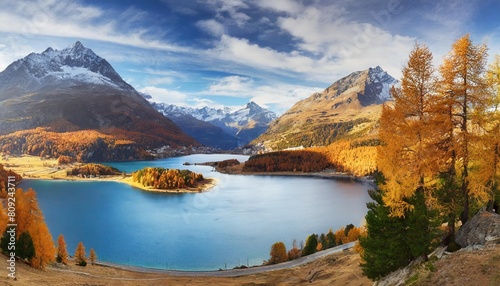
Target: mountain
x,y
204,132
243,124
74,89
350,107
68,67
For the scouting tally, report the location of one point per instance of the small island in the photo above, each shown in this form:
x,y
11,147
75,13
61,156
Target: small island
x,y
169,180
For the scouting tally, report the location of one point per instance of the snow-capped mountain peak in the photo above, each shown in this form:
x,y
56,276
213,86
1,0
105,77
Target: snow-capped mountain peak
x,y
73,65
383,81
236,123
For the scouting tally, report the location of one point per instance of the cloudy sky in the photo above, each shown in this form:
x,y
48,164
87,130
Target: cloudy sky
x,y
228,52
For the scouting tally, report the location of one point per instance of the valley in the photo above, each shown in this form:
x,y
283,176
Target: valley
x,y
405,170
239,127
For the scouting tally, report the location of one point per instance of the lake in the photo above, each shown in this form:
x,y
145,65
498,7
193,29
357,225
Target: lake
x,y
233,224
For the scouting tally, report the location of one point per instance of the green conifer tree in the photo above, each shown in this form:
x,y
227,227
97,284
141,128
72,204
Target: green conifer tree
x,y
384,247
311,244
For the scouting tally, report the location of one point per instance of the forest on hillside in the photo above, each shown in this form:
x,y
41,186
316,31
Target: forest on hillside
x,y
282,161
80,146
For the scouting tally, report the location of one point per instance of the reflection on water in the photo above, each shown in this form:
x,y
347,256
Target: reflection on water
x,y
237,221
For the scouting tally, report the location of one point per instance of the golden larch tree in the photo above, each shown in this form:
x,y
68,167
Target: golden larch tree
x,y
278,253
92,256
80,254
29,218
486,181
406,156
466,94
62,252
44,245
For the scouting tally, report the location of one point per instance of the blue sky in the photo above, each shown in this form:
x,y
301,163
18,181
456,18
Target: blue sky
x,y
228,52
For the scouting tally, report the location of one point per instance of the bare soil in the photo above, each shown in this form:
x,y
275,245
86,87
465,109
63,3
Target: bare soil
x,y
465,267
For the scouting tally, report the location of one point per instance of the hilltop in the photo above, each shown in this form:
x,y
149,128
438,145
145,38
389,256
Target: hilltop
x,y
349,108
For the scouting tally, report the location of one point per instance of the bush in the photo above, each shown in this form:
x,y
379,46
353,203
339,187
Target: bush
x,y
82,263
63,160
295,252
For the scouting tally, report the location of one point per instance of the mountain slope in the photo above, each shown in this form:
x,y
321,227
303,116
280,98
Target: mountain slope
x,y
348,108
244,124
75,89
204,132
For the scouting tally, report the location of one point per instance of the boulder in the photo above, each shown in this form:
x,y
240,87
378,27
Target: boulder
x,y
481,229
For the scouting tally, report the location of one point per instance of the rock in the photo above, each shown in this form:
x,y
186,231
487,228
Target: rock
x,y
481,229
398,277
438,252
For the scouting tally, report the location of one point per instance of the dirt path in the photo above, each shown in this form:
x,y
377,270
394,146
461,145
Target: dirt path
x,y
237,272
340,268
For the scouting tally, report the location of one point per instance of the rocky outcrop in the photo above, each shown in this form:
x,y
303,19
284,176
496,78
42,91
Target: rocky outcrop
x,y
481,229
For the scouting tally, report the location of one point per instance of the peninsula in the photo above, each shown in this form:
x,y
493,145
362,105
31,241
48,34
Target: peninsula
x,y
37,168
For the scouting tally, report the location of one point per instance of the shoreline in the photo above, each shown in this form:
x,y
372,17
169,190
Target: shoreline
x,y
206,185
234,272
325,174
33,168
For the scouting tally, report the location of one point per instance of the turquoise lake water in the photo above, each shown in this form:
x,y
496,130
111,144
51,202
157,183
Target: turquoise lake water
x,y
233,224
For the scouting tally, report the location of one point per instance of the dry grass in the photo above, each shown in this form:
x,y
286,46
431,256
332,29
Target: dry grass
x,y
479,268
336,269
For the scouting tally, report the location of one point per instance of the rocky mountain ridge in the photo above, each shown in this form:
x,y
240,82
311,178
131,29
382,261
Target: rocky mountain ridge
x,y
73,65
244,124
350,107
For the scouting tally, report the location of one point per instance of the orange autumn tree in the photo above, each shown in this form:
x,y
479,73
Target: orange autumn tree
x,y
278,253
80,255
466,96
486,179
62,252
92,256
406,156
30,219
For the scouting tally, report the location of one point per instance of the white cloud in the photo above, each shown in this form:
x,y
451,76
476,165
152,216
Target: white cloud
x,y
197,102
12,50
160,80
350,45
289,6
165,95
279,95
231,86
243,52
232,9
211,26
73,20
